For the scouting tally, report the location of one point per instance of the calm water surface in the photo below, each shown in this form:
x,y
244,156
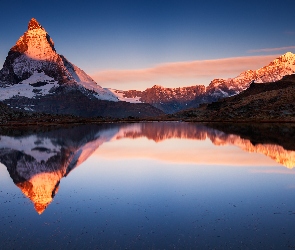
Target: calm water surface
x,y
147,186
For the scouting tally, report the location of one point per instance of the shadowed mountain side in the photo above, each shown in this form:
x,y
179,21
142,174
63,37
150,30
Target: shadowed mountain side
x,y
11,117
73,102
272,101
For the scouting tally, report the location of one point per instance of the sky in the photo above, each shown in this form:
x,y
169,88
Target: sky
x,y
130,44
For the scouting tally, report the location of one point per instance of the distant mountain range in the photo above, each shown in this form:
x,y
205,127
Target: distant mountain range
x,y
171,100
261,102
35,78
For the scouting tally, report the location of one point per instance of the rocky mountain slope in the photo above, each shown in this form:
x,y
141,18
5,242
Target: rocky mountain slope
x,y
35,77
171,100
274,101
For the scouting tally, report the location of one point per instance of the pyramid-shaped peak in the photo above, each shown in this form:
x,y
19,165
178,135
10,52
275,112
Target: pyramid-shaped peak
x,y
34,24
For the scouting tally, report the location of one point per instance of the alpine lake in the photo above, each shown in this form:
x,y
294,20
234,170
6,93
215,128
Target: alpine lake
x,y
155,185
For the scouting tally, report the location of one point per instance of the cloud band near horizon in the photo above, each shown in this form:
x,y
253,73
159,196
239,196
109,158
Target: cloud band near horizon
x,y
217,68
271,49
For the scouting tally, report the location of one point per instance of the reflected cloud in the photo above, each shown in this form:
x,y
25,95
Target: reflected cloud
x,y
38,160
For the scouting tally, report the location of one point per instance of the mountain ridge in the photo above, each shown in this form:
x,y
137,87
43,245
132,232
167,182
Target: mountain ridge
x,y
261,102
171,100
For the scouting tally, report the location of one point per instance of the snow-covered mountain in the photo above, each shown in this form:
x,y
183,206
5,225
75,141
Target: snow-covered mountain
x,y
171,100
35,77
274,71
33,68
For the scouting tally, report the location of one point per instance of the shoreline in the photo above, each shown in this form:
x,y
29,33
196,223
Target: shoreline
x,y
82,121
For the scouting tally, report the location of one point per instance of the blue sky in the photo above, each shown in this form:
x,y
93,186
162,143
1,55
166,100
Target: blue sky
x,y
102,37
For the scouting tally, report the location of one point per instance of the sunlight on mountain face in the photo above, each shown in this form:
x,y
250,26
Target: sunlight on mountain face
x,y
38,161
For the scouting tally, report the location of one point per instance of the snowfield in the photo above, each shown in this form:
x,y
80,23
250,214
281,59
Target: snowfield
x,y
26,88
119,94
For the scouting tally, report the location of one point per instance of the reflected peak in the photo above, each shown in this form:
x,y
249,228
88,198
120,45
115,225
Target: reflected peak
x,y
41,189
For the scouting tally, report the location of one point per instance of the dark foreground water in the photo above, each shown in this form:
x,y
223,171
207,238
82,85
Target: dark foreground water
x,y
148,186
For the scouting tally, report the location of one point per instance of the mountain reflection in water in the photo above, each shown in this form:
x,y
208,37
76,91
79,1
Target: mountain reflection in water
x,y
38,160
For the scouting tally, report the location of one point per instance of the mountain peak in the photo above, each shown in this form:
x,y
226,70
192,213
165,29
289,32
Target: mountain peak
x,y
157,87
34,24
288,55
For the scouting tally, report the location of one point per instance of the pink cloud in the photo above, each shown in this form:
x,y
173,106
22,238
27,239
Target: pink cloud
x,y
271,49
184,70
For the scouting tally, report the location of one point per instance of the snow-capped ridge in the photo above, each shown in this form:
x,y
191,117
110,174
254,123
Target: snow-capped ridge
x,y
171,100
274,71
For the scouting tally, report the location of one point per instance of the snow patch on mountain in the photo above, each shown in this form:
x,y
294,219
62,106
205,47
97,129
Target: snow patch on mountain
x,y
38,77
121,96
36,85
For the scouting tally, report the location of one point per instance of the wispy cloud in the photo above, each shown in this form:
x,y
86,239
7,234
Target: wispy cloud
x,y
289,33
271,49
272,171
184,70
